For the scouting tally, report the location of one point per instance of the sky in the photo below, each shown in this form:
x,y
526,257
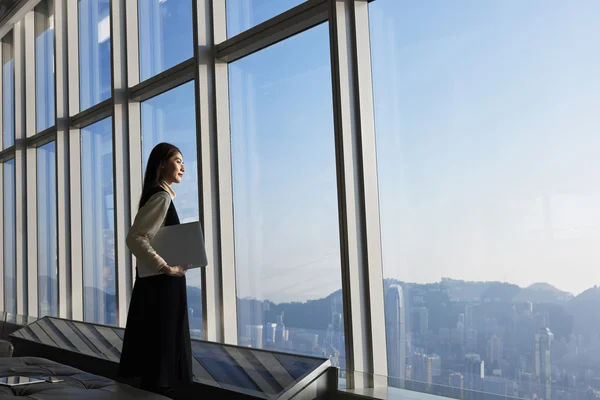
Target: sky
x,y
487,128
487,133
487,141
487,144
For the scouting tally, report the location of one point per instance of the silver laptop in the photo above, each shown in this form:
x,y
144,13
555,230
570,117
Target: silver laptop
x,y
181,244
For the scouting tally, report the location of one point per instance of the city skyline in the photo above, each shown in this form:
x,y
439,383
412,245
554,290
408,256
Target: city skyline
x,y
440,281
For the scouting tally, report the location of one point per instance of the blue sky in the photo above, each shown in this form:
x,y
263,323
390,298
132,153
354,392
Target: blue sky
x,y
487,135
487,130
285,202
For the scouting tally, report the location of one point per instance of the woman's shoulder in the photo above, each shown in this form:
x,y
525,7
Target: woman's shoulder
x,y
158,195
156,190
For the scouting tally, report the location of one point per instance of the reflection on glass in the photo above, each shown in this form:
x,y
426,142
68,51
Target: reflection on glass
x,y
44,64
98,223
487,137
47,233
249,371
252,372
8,90
170,117
165,35
285,202
94,52
10,282
245,14
92,340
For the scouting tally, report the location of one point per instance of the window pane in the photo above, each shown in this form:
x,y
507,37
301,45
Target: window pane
x,y
245,14
98,223
285,202
8,90
487,135
44,64
170,117
10,282
47,233
94,52
166,37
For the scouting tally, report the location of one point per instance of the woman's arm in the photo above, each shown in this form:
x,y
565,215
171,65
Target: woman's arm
x,y
148,221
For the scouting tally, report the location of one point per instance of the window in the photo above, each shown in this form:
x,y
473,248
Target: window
x,y
44,64
487,137
10,282
98,223
166,37
47,230
245,14
94,52
171,117
8,90
285,199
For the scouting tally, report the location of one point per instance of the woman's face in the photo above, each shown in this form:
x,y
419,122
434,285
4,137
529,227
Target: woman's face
x,y
173,170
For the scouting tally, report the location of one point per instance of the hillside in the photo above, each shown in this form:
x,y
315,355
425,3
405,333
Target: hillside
x,y
584,309
543,293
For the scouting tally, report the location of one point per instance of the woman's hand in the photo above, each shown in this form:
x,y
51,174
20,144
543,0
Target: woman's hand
x,y
176,270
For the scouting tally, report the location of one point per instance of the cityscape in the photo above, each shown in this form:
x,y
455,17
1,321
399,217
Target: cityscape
x,y
455,338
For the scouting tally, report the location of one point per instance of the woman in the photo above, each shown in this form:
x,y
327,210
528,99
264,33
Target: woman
x,y
157,346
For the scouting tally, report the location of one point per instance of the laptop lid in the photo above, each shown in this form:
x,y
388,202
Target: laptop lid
x,y
181,244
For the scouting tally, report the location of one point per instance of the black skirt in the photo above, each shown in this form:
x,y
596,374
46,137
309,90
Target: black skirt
x,y
157,345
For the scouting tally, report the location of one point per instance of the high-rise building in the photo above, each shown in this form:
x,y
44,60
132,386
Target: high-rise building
x,y
495,348
395,333
474,372
469,315
420,320
456,380
270,329
280,332
436,365
255,335
471,340
543,365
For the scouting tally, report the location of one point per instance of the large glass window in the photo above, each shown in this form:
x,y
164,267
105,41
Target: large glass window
x,y
46,230
171,117
166,37
44,64
245,14
94,52
98,223
8,90
285,202
10,281
487,135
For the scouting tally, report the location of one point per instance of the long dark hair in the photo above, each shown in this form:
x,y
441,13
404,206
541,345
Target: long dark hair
x,y
159,156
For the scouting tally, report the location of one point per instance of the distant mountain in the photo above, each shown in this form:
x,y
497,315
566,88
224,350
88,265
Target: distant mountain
x,y
544,287
501,292
585,310
543,293
468,291
312,314
461,291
